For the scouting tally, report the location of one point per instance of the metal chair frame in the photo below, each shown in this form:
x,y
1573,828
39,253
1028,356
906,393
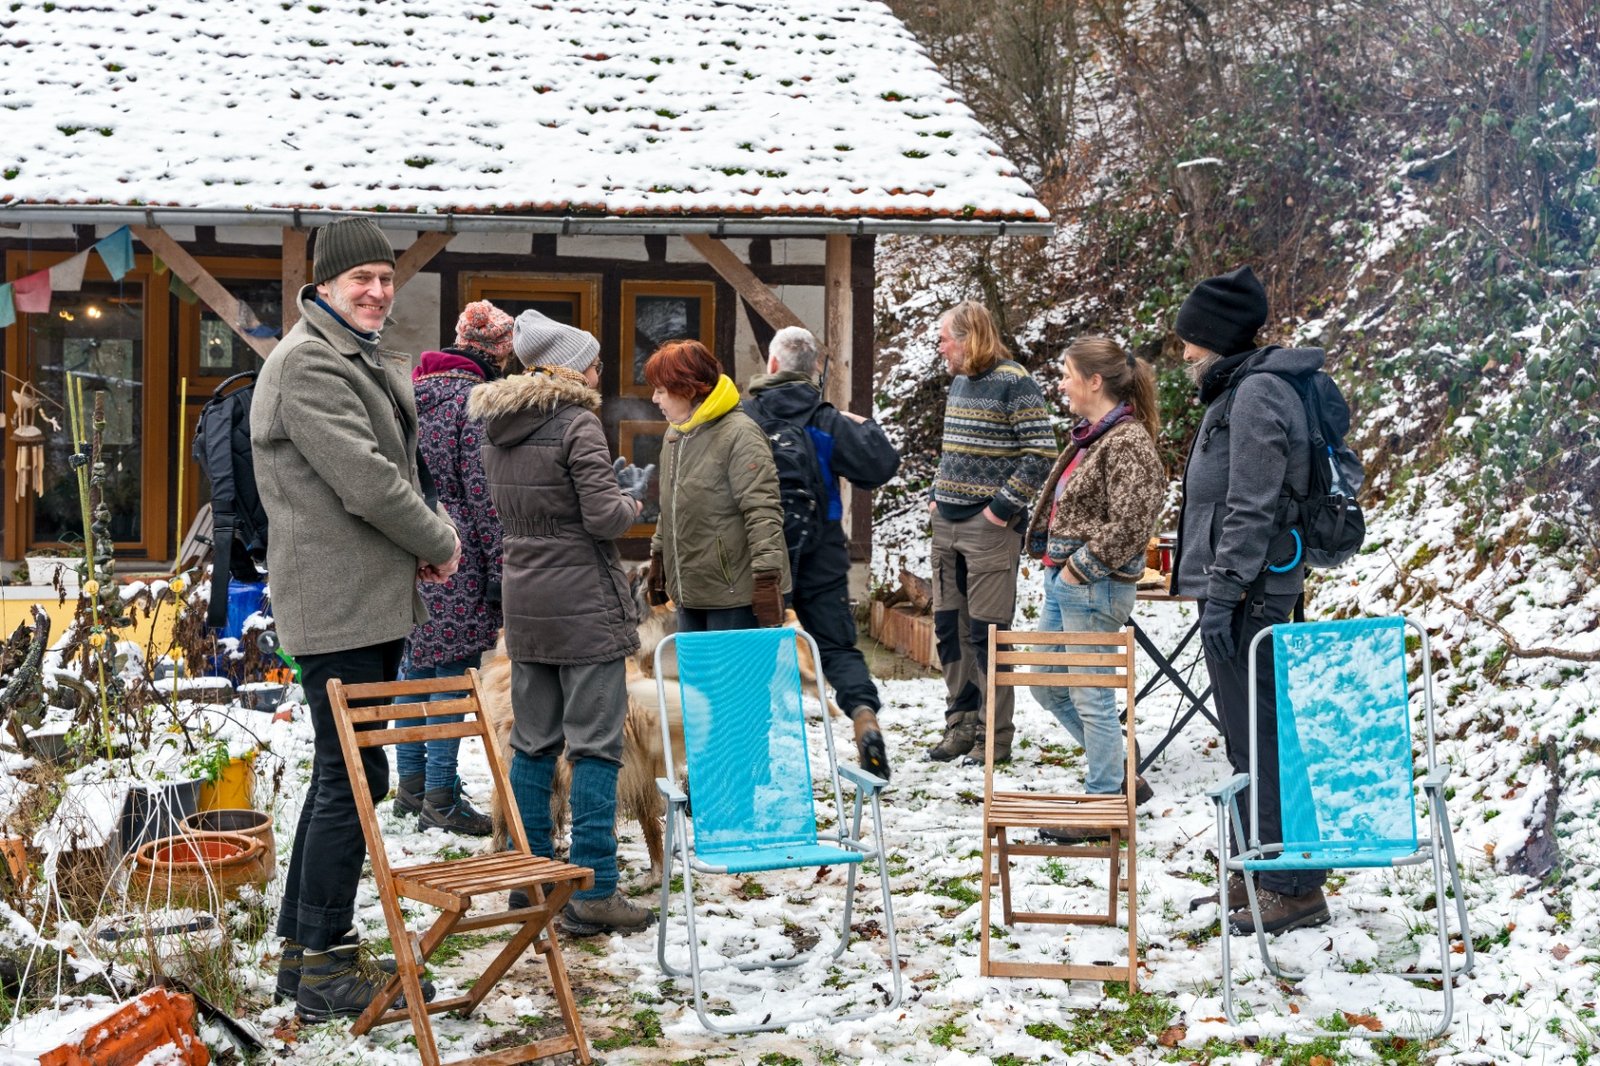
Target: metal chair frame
x,y
680,848
1438,848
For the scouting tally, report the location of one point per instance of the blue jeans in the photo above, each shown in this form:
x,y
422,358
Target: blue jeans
x,y
1090,714
435,760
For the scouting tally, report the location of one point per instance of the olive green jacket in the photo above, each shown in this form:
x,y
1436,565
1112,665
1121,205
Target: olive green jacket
x,y
333,429
721,520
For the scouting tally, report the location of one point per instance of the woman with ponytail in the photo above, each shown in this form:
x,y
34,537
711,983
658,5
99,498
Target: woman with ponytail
x,y
1090,527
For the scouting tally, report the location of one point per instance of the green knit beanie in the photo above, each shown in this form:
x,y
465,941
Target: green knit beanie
x,y
348,242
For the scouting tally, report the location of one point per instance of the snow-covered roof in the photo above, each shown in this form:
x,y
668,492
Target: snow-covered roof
x,y
612,107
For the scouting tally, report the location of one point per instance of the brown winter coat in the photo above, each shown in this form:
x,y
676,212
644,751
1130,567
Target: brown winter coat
x,y
333,430
721,516
564,593
1109,508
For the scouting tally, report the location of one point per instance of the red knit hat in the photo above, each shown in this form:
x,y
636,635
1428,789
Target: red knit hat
x,y
485,327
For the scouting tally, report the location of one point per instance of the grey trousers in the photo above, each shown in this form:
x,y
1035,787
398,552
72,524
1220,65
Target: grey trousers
x,y
974,584
581,708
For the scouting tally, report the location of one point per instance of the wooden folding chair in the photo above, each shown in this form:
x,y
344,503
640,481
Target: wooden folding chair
x,y
1041,665
450,886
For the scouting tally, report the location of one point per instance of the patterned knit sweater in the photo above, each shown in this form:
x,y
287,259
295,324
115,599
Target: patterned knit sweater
x,y
998,443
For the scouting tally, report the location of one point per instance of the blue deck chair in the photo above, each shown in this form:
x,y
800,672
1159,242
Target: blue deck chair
x,y
1345,776
744,739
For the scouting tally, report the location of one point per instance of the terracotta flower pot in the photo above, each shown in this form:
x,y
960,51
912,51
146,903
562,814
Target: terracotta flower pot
x,y
251,823
196,870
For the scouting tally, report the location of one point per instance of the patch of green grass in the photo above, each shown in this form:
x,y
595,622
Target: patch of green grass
x,y
777,1058
1121,1030
945,1033
957,889
454,946
644,1032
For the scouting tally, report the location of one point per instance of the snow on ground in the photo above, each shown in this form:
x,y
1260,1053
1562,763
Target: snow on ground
x,y
1530,1001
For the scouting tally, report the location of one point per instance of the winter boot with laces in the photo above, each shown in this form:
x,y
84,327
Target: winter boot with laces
x,y
1281,912
408,794
1236,896
612,914
289,963
870,748
342,982
960,730
448,809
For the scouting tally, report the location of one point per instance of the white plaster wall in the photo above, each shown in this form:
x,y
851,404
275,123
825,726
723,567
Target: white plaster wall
x,y
590,247
681,251
806,301
797,252
414,320
38,231
491,244
263,235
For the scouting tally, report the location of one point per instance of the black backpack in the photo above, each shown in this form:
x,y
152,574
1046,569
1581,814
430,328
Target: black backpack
x,y
239,523
1325,526
804,497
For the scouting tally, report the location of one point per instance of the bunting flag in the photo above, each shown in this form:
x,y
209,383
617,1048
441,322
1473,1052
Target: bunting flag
x,y
176,286
116,251
32,293
67,276
8,312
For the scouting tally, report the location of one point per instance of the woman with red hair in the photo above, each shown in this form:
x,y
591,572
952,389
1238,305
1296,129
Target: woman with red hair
x,y
718,551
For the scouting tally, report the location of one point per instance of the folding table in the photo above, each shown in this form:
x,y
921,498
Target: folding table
x,y
1190,703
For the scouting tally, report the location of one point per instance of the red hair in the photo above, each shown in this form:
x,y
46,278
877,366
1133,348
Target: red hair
x,y
683,368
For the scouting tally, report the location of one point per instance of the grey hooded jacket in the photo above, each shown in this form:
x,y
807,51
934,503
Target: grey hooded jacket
x,y
333,429
1236,471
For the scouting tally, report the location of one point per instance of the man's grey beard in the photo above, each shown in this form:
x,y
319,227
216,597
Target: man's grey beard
x,y
1197,371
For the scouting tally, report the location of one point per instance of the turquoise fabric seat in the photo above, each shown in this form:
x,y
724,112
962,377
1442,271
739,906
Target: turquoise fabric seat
x,y
748,760
1347,776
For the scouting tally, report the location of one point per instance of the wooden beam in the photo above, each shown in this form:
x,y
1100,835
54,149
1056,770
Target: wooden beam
x,y
838,315
427,245
208,288
294,275
743,280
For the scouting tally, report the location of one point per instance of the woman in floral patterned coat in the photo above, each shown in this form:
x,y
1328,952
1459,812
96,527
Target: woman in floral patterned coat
x,y
463,613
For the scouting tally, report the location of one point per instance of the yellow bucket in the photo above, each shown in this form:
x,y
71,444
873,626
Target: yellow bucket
x,y
235,787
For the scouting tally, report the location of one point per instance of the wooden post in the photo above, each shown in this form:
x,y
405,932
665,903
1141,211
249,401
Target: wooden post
x,y
839,314
294,275
744,281
427,245
208,288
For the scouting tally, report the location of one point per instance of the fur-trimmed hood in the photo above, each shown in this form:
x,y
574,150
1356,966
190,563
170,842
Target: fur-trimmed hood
x,y
514,407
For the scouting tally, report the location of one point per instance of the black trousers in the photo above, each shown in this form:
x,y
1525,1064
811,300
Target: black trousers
x,y
1232,695
319,893
821,601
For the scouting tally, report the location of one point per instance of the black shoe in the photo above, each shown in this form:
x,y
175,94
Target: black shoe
x,y
959,734
517,900
1142,792
342,982
408,794
870,749
289,968
1281,913
1236,896
447,808
1074,835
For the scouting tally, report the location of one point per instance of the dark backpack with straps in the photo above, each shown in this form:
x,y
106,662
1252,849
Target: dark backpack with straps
x,y
803,496
1325,526
239,523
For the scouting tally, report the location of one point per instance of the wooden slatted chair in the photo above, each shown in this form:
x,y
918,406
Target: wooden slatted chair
x,y
1038,659
451,886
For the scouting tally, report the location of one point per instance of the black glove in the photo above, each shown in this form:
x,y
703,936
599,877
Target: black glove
x,y
767,601
632,480
655,580
1216,629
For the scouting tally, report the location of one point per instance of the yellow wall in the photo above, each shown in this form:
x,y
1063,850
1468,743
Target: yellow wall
x,y
13,612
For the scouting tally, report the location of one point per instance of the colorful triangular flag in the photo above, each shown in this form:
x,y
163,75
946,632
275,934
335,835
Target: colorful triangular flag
x,y
67,276
116,251
158,266
32,293
182,291
8,314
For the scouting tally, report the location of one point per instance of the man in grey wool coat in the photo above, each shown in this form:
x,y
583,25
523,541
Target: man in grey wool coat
x,y
333,432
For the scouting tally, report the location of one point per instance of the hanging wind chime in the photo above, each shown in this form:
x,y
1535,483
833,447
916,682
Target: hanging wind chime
x,y
26,404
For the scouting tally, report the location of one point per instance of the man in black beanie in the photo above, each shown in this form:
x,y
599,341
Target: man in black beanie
x,y
1251,447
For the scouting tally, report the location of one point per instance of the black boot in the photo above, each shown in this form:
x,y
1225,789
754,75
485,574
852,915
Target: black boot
x,y
343,981
289,968
447,808
870,749
960,730
408,794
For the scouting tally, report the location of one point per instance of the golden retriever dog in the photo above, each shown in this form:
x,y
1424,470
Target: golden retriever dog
x,y
643,760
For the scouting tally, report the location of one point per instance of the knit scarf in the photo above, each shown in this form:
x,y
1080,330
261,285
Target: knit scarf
x,y
722,399
1084,434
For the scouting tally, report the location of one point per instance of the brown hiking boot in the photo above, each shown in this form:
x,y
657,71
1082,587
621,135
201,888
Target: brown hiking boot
x,y
959,732
612,914
1281,913
870,748
1236,896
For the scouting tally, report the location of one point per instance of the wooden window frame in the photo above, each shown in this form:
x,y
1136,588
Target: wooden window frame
x,y
155,543
632,289
497,285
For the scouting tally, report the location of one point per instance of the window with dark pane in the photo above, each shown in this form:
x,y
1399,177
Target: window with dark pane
x,y
659,319
222,351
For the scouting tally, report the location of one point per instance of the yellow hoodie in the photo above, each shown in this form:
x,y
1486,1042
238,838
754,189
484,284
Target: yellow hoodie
x,y
723,398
